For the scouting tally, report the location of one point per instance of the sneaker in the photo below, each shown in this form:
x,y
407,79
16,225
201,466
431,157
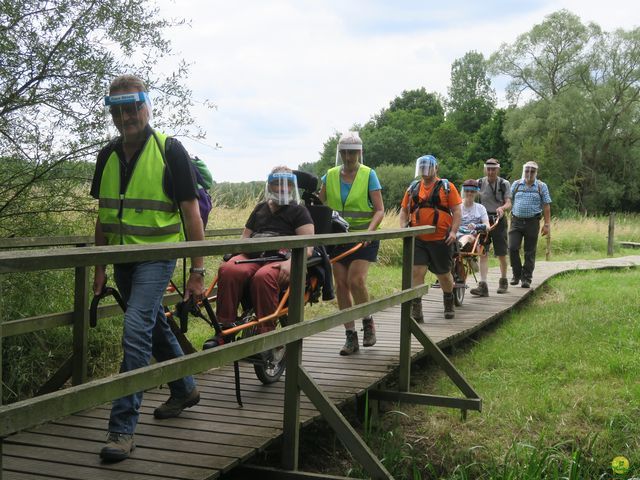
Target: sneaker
x,y
503,285
119,446
525,284
174,406
369,335
449,311
351,344
482,290
514,280
416,310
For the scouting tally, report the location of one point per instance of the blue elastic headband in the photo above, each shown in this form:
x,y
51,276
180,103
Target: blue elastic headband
x,y
280,175
125,98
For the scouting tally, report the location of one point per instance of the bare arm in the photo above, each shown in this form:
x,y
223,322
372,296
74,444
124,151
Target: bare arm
x,y
546,212
404,217
194,232
322,195
456,212
378,209
285,267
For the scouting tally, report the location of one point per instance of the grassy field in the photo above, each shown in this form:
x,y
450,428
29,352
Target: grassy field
x,y
559,382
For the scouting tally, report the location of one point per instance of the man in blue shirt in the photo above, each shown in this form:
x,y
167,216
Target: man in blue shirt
x,y
531,202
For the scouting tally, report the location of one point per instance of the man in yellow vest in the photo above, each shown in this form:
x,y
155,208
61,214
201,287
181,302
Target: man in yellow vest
x,y
147,194
353,190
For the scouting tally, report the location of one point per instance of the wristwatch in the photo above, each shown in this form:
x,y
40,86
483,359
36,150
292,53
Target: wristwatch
x,y
199,270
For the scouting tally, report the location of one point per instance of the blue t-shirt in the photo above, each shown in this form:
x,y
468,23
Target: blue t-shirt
x,y
345,188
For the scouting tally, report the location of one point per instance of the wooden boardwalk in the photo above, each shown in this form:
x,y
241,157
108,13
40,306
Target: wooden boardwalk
x,y
217,435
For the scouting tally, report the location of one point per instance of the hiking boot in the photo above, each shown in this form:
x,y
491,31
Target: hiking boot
x,y
449,312
369,335
174,406
119,446
514,280
503,285
525,283
482,290
416,310
351,344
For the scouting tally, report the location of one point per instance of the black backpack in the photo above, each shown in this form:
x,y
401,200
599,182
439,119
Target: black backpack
x,y
432,202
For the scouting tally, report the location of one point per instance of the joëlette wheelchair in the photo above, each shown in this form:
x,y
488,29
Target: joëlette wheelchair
x,y
465,261
270,365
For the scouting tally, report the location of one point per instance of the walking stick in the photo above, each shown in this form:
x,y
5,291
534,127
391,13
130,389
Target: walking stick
x,y
548,253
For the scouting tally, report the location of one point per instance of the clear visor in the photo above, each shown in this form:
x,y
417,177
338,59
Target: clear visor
x,y
426,168
129,112
529,173
491,168
351,154
473,190
282,189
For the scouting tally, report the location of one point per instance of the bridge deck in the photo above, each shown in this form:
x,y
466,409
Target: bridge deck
x,y
217,435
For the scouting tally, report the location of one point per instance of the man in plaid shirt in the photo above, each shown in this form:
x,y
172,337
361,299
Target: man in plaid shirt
x,y
531,202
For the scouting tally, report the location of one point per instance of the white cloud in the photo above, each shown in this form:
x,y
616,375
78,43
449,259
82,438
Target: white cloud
x,y
286,74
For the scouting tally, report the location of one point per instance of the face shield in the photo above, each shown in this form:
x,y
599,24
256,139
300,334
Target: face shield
x,y
529,172
130,112
491,168
349,149
470,189
282,189
426,166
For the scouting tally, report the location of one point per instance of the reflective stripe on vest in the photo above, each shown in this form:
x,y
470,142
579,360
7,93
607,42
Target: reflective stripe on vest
x,y
356,209
144,213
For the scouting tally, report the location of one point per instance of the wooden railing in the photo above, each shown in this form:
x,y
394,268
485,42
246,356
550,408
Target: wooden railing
x,y
32,412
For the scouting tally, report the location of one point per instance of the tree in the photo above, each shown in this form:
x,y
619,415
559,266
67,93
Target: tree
x,y
547,59
387,145
58,57
471,98
581,124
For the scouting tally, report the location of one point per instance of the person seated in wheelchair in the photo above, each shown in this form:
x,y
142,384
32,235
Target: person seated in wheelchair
x,y
279,214
474,221
474,216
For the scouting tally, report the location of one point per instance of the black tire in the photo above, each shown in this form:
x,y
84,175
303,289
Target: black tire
x,y
458,294
270,370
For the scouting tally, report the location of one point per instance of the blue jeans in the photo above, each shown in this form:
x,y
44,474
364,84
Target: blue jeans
x,y
146,333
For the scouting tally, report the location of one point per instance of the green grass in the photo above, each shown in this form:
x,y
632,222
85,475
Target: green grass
x,y
559,382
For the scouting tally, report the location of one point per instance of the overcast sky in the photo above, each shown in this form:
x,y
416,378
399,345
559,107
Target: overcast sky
x,y
285,75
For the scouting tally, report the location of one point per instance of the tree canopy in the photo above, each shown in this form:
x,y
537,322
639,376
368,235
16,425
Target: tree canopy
x,y
58,57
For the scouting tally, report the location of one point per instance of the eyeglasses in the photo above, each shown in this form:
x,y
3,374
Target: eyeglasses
x,y
349,152
128,108
530,169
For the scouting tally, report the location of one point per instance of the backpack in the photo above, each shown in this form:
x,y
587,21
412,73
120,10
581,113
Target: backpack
x,y
502,187
432,202
204,181
518,183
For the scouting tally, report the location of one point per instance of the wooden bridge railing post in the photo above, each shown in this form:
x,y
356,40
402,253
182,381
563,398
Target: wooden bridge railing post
x,y
405,316
610,237
291,415
80,326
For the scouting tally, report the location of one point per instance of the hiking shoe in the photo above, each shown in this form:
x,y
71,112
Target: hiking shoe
x,y
174,406
482,290
514,280
449,312
369,335
525,284
503,285
351,344
119,446
416,310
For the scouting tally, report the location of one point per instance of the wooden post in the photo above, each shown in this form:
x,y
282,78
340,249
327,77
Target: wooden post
x,y
291,415
405,316
612,221
80,326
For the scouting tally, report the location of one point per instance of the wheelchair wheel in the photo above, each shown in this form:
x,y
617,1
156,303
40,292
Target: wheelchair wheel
x,y
459,282
458,292
273,365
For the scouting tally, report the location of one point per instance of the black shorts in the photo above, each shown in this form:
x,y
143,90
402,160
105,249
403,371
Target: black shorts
x,y
498,236
436,255
368,253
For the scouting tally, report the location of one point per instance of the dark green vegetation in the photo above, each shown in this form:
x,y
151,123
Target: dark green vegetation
x,y
574,100
558,378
